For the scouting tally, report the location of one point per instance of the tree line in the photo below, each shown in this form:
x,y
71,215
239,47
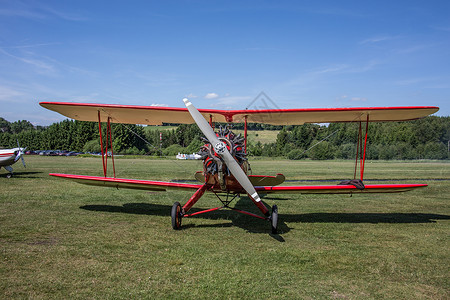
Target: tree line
x,y
427,138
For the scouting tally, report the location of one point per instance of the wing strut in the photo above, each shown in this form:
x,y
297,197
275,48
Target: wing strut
x,y
360,151
105,151
245,134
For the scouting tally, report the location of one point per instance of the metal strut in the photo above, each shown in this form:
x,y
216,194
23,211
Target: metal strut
x,y
245,135
225,203
105,151
360,151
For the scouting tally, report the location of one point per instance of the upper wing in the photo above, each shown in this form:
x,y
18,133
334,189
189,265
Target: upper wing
x,y
338,189
128,183
155,115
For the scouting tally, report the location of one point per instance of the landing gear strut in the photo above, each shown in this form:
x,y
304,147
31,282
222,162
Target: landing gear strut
x,y
176,216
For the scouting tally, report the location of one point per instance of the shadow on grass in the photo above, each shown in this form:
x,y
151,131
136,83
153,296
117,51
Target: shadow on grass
x,y
231,218
23,174
254,225
372,218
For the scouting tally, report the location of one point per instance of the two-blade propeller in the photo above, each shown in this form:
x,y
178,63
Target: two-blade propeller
x,y
221,149
20,154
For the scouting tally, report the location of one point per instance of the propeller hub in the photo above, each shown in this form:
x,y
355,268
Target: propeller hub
x,y
220,148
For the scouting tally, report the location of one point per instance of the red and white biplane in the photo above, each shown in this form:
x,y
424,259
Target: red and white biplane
x,y
225,164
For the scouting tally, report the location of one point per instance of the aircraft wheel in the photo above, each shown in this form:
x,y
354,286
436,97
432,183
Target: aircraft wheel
x,y
8,175
176,216
274,219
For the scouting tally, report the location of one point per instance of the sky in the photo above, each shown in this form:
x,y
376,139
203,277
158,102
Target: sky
x,y
222,54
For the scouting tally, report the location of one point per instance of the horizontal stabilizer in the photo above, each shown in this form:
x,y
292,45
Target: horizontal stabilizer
x,y
256,180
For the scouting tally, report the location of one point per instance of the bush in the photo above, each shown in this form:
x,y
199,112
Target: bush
x,y
174,150
255,150
388,152
296,154
346,151
92,146
194,146
435,150
322,151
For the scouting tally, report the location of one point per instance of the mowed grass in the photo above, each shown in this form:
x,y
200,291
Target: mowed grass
x,y
158,127
60,239
262,136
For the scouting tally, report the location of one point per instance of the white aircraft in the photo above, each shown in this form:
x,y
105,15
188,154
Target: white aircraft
x,y
9,157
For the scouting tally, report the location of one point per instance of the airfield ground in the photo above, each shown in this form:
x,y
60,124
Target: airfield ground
x,y
60,240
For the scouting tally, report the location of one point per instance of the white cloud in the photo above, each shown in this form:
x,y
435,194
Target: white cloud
x,y
191,96
37,11
211,96
378,39
159,104
7,94
231,102
340,98
414,48
358,99
331,69
41,66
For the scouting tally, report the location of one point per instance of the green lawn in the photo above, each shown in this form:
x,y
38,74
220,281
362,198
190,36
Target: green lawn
x,y
158,128
60,240
263,136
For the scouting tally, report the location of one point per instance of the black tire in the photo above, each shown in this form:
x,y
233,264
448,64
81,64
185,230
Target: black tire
x,y
176,216
274,219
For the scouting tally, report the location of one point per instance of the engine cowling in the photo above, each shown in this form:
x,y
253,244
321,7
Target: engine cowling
x,y
213,166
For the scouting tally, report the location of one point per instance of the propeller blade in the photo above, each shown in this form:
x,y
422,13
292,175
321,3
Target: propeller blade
x,y
23,161
20,154
221,149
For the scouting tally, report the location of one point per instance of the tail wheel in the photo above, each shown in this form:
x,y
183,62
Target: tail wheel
x,y
176,216
274,219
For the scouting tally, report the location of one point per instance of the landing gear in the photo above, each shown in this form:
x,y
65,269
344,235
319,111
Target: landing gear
x,y
274,219
176,216
9,175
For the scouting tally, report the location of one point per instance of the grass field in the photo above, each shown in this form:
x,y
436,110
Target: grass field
x,y
60,240
263,136
158,128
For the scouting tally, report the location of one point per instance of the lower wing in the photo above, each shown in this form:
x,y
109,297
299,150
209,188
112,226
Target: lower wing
x,y
128,183
308,189
338,189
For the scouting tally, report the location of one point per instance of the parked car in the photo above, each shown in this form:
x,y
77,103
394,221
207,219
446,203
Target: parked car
x,y
72,153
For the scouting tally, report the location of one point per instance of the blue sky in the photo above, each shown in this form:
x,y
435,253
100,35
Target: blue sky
x,y
222,54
